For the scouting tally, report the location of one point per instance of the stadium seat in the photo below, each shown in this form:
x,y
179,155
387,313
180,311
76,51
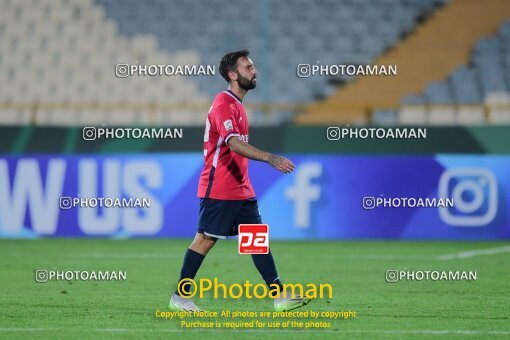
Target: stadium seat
x,y
57,117
14,116
412,115
438,93
385,117
442,115
498,104
413,100
470,115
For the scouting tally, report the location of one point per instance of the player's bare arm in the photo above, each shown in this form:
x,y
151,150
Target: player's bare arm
x,y
246,150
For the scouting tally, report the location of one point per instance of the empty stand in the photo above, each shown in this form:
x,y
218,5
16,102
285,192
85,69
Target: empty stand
x,y
57,52
461,33
58,57
472,89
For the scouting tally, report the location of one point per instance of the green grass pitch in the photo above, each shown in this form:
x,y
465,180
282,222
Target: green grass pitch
x,y
125,309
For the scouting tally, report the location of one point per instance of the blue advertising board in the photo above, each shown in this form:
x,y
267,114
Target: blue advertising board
x,y
326,197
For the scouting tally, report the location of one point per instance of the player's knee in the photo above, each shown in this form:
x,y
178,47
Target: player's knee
x,y
203,243
208,242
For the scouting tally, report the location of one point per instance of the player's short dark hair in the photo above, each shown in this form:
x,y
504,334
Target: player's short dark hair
x,y
229,62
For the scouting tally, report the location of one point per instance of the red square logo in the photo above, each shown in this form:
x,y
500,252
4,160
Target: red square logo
x,y
253,239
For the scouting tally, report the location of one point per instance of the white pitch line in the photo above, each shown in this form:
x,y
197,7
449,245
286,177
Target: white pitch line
x,y
377,257
473,253
130,255
235,255
29,329
386,257
355,331
273,331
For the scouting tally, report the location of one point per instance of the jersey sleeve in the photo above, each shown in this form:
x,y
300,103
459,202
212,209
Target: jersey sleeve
x,y
225,121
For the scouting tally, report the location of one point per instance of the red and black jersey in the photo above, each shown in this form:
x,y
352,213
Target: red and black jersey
x,y
225,173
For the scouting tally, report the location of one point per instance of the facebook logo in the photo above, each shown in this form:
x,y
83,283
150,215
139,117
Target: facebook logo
x,y
303,192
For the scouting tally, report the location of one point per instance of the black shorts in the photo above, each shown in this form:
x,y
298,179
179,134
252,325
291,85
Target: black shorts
x,y
221,218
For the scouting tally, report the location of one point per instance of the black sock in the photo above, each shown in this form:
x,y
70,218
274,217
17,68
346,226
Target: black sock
x,y
190,266
266,267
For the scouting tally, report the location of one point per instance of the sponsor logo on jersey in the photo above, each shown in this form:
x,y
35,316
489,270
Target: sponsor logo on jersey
x,y
228,125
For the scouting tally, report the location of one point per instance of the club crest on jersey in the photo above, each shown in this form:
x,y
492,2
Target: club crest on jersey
x,y
228,125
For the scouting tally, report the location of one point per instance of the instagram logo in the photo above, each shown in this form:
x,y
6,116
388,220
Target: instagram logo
x,y
122,70
392,276
475,193
66,203
368,202
304,70
89,133
333,133
41,275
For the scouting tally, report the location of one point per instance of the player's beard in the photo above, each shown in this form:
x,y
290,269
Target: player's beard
x,y
245,83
